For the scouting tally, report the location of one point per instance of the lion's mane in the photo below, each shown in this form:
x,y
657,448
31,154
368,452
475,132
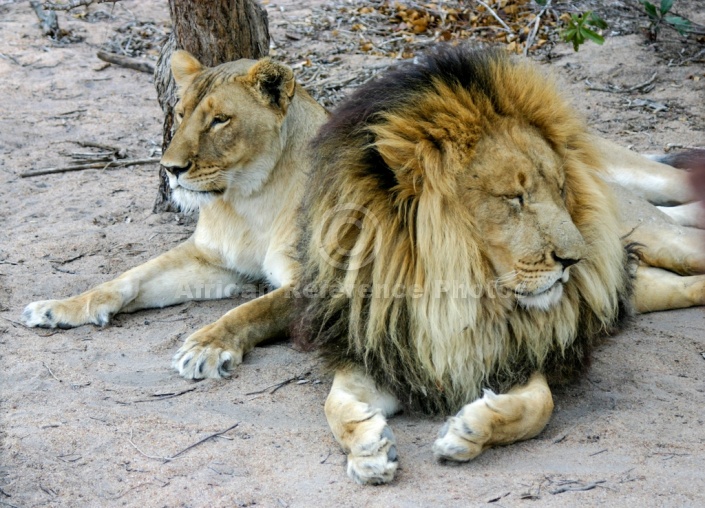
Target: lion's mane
x,y
384,231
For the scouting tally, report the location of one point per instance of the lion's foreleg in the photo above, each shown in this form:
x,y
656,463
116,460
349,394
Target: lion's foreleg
x,y
519,414
215,349
658,289
357,412
176,276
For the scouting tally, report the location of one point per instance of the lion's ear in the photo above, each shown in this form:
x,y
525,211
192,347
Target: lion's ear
x,y
273,81
185,68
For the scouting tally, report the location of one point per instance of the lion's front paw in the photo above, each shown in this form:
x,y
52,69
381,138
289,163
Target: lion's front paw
x,y
374,460
61,314
462,437
206,354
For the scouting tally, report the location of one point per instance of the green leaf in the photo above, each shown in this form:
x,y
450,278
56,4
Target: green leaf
x,y
650,10
666,6
593,36
680,24
541,2
596,21
569,35
677,20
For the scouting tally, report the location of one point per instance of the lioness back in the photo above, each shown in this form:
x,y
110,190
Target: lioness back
x,y
457,234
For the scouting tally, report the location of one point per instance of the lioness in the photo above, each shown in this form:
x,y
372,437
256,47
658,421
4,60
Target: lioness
x,y
239,155
463,253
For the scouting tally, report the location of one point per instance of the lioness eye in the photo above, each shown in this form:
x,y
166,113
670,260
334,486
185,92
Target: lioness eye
x,y
219,120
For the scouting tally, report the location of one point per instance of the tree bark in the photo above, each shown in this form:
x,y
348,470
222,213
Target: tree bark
x,y
215,32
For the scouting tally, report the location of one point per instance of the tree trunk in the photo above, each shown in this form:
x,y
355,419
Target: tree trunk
x,y
215,32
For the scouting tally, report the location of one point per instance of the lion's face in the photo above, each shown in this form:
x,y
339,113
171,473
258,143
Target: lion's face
x,y
517,192
229,134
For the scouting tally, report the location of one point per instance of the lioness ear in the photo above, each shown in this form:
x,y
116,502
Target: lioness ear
x,y
185,68
273,81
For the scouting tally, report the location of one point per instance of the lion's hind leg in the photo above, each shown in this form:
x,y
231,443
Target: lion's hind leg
x,y
688,215
357,412
520,414
658,289
672,261
671,247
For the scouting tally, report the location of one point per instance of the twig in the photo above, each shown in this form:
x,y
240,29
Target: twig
x,y
47,19
126,61
495,16
17,323
532,35
164,396
217,434
92,144
92,165
164,459
617,89
168,459
11,58
277,386
50,372
576,488
597,453
693,58
72,4
497,498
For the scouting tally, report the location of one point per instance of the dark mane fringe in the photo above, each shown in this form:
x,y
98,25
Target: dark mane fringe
x,y
469,69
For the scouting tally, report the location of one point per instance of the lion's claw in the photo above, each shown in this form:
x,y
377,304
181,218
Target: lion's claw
x,y
197,359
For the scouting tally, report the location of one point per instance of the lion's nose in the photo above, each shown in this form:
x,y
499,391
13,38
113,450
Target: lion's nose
x,y
175,169
565,262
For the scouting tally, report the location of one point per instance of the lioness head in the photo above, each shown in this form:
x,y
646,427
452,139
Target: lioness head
x,y
229,135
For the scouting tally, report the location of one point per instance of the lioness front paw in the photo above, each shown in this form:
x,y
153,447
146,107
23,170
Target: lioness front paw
x,y
204,355
462,437
374,461
61,314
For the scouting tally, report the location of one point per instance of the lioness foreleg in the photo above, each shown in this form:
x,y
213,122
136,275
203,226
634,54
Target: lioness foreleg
x,y
215,349
519,414
357,412
179,275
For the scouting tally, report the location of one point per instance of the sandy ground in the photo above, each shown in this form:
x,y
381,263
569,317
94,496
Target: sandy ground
x,y
91,416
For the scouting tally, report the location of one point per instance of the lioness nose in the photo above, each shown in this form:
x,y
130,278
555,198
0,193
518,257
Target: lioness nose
x,y
565,262
175,169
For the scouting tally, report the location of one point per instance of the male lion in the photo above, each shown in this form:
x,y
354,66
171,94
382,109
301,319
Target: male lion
x,y
240,156
464,253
